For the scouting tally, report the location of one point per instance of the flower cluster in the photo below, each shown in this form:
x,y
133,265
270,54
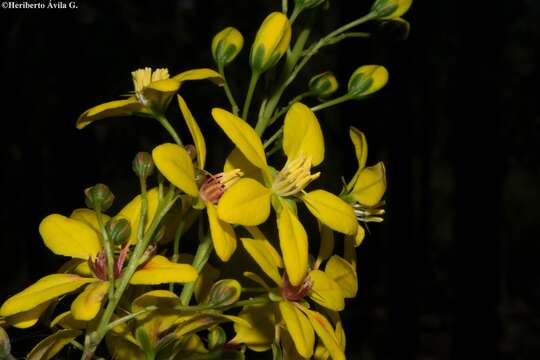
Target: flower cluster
x,y
126,281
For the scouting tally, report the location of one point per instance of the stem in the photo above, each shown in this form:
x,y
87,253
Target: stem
x,y
286,108
95,338
180,230
201,257
350,35
294,15
332,102
106,244
167,125
273,138
284,6
234,105
252,84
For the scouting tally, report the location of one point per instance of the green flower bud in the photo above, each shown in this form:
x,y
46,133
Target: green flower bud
x,y
142,165
367,79
226,45
99,197
118,230
224,292
391,9
307,4
324,84
216,338
271,42
5,345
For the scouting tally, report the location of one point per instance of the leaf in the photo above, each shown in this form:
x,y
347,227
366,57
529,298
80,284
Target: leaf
x,y
326,291
242,135
175,164
159,270
69,237
331,211
46,288
299,328
343,273
195,131
266,256
302,134
294,245
87,304
246,203
51,345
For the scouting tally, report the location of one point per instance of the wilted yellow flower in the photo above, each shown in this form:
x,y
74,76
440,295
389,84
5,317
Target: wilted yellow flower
x,y
271,42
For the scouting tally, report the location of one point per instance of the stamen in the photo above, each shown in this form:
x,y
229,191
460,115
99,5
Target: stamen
x,y
215,185
369,214
144,77
294,177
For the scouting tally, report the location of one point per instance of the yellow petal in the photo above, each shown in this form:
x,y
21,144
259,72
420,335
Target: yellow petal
x,y
302,134
121,348
89,217
116,108
223,236
366,80
349,251
360,146
246,203
46,288
359,236
159,270
132,212
155,323
175,164
294,245
69,237
242,135
66,321
326,291
331,211
237,160
87,304
28,318
370,185
327,243
260,335
159,93
200,74
325,332
204,320
195,131
257,279
299,328
265,255
344,274
50,346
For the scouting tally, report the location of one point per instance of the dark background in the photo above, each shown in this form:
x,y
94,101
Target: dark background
x,y
451,273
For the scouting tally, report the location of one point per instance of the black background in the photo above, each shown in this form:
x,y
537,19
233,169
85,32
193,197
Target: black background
x,y
451,273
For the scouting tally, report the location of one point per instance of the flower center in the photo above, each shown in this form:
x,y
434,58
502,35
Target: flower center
x,y
99,264
295,293
144,77
215,185
294,176
369,213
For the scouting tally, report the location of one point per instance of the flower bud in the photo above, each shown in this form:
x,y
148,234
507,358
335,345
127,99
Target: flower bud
x,y
226,45
271,42
307,4
216,338
5,345
99,197
390,9
367,79
118,230
224,292
324,84
142,165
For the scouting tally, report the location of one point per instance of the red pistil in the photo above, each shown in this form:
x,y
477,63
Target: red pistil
x,y
295,293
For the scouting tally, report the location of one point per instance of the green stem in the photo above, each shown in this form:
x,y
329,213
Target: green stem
x,y
288,106
349,35
201,257
273,138
95,338
294,15
234,105
106,244
332,102
284,6
186,221
252,84
167,125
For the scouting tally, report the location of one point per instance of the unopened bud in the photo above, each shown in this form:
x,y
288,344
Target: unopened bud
x,y
142,165
224,292
5,345
324,84
118,230
271,42
390,9
99,197
226,45
216,338
367,79
191,150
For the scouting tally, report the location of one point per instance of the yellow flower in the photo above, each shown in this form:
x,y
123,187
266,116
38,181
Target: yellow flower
x,y
301,323
78,237
367,187
153,92
248,201
176,165
271,42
